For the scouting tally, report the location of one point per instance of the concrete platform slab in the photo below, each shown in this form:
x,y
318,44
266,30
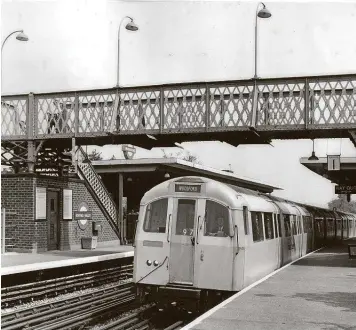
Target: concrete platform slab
x,y
14,263
316,292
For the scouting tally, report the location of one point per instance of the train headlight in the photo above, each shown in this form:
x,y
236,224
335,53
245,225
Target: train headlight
x,y
149,262
155,263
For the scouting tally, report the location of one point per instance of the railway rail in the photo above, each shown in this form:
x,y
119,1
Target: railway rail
x,y
38,290
70,312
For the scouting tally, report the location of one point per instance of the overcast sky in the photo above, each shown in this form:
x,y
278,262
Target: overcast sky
x,y
73,45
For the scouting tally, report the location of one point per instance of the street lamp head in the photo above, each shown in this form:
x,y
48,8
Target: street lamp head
x,y
22,36
264,13
131,26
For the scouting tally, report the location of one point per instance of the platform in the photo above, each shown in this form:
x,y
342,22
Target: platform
x,y
15,263
315,292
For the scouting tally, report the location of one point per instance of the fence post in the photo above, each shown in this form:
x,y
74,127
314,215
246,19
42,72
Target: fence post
x,y
306,103
254,106
3,243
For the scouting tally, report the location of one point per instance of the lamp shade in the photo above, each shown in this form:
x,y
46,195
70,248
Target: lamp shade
x,y
22,37
131,26
264,13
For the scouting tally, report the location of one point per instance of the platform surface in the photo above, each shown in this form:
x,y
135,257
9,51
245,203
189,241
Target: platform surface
x,y
316,292
13,263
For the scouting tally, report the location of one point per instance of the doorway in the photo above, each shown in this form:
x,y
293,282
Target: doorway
x,y
53,220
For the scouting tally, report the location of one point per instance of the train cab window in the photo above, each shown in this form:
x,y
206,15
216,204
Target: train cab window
x,y
185,217
268,222
216,220
257,227
287,225
156,216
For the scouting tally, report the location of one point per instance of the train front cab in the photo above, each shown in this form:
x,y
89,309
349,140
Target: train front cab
x,y
186,232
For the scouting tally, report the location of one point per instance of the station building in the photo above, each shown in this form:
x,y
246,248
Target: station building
x,y
45,213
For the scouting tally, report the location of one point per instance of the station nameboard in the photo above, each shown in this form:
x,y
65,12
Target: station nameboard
x,y
188,188
345,189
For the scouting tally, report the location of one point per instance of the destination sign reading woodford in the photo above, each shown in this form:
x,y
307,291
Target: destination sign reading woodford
x,y
345,189
187,188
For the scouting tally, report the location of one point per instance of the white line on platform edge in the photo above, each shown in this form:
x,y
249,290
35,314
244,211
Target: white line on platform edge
x,y
225,302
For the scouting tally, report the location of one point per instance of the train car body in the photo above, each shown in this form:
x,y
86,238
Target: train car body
x,y
197,237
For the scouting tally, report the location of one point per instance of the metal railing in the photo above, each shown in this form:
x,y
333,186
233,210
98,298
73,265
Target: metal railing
x,y
88,173
268,104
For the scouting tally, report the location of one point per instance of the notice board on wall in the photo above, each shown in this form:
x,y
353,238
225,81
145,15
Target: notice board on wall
x,y
67,204
41,206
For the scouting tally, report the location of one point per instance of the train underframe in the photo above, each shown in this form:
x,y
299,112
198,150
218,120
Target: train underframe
x,y
185,298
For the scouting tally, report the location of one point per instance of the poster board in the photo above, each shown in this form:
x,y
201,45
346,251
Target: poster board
x,y
41,203
67,204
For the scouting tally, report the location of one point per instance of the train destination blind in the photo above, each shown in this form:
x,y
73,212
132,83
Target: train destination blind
x,y
187,188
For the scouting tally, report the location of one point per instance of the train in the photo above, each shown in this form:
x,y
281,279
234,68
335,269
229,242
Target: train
x,y
199,240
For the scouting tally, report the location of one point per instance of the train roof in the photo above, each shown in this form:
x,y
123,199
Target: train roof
x,y
237,197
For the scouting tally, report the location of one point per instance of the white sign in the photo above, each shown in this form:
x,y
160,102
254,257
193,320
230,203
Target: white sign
x,y
67,204
41,205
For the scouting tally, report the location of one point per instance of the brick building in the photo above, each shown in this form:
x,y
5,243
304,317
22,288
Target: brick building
x,y
26,233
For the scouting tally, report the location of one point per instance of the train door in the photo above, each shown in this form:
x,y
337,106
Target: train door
x,y
216,248
53,220
182,241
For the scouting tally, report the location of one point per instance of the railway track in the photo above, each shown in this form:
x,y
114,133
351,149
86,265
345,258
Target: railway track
x,y
39,290
71,312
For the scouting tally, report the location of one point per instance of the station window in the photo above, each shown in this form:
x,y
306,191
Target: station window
x,y
216,220
268,225
257,227
156,216
287,227
185,217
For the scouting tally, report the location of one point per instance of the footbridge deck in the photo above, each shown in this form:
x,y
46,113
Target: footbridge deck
x,y
244,111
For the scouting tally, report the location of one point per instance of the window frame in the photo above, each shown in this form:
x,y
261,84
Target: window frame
x,y
271,227
262,235
230,223
286,229
146,212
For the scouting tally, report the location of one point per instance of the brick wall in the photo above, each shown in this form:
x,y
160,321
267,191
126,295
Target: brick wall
x,y
18,195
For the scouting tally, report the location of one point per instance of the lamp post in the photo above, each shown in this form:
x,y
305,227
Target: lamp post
x,y
262,13
131,26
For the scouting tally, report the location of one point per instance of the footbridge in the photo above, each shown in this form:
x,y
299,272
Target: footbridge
x,y
237,112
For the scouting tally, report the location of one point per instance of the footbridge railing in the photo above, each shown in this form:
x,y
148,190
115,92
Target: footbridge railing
x,y
325,102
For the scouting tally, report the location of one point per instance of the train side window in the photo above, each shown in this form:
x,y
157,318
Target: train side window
x,y
245,215
294,225
305,224
216,220
287,226
156,216
257,227
275,225
279,225
268,222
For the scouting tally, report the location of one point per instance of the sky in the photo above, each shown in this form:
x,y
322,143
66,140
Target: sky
x,y
73,46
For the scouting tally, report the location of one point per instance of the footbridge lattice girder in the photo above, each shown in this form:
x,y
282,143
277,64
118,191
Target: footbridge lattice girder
x,y
268,105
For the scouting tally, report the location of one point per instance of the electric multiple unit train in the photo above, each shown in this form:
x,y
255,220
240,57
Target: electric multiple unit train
x,y
197,238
